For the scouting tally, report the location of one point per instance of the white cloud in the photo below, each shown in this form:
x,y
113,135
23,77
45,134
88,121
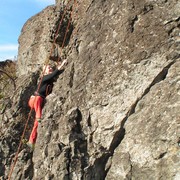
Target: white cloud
x,y
8,47
8,56
8,51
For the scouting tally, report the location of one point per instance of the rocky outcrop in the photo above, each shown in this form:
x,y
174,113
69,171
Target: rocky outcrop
x,y
7,86
113,113
37,38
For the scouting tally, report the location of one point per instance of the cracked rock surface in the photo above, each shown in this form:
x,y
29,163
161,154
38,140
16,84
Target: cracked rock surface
x,y
114,112
149,149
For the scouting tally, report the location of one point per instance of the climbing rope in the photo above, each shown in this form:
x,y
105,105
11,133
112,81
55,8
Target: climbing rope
x,y
67,29
46,63
58,29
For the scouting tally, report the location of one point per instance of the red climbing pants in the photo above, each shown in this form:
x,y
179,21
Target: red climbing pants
x,y
36,103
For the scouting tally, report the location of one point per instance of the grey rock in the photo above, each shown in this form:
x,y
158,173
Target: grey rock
x,y
114,111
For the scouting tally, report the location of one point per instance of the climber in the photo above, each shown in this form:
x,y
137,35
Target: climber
x,y
36,101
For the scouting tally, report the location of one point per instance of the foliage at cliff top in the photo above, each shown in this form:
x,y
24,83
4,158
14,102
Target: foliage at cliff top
x,y
7,78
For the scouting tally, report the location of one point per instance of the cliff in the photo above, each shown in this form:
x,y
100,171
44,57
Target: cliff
x,y
114,112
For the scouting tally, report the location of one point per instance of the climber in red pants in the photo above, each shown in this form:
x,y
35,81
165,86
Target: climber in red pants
x,y
36,101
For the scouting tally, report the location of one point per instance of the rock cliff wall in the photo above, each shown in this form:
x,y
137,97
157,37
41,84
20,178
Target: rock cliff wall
x,y
114,112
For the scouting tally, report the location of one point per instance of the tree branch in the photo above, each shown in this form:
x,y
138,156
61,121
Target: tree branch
x,y
14,84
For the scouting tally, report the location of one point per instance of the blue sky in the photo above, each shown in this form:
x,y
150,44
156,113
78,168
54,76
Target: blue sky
x,y
13,15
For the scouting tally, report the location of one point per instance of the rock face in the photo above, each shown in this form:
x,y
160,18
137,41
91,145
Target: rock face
x,y
114,112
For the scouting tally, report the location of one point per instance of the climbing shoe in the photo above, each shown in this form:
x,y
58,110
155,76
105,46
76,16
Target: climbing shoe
x,y
30,145
24,141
